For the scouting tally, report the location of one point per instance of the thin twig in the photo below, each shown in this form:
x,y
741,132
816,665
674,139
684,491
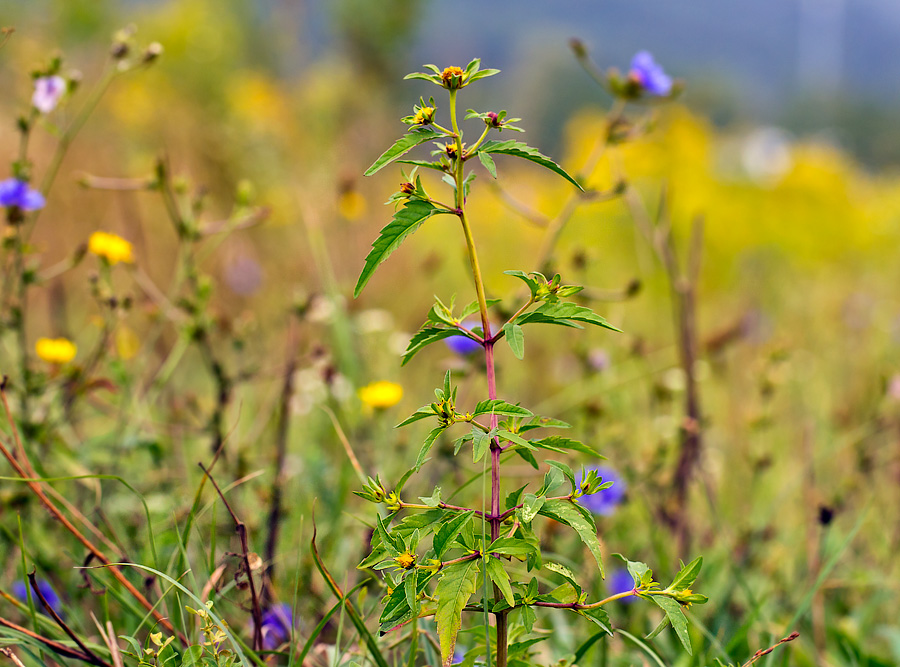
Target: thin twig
x,y
760,653
241,530
51,612
56,647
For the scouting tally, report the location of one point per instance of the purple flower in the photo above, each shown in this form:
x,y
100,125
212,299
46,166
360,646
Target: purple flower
x,y
20,592
47,92
649,75
277,623
620,581
463,345
14,192
604,502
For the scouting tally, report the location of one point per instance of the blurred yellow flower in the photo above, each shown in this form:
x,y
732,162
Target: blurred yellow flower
x,y
382,394
351,205
55,350
112,248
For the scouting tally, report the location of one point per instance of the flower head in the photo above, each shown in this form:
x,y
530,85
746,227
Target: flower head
x,y
604,501
453,77
649,75
463,345
406,560
47,92
277,623
16,193
381,394
112,248
20,592
55,350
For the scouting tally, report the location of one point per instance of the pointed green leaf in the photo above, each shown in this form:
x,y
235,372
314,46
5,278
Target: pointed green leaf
x,y
488,163
406,221
531,507
427,445
516,339
524,151
688,574
424,337
557,443
500,576
566,574
564,313
403,145
598,616
501,408
448,531
512,437
565,512
437,166
676,618
528,618
424,412
481,442
455,587
510,546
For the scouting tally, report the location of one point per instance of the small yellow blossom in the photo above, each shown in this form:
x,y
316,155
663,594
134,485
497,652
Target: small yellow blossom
x,y
453,77
424,116
55,350
112,248
405,560
382,394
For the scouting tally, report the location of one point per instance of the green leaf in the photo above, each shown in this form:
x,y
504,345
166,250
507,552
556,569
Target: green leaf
x,y
501,408
565,512
513,437
191,656
424,337
510,546
448,531
488,163
403,145
558,443
393,545
455,587
565,470
676,618
640,572
481,442
406,221
531,507
525,278
566,574
599,616
521,150
424,412
688,575
564,313
409,589
437,166
516,339
427,445
528,618
500,576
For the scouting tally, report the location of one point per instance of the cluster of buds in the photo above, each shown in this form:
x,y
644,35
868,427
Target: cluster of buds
x,y
373,491
495,120
453,77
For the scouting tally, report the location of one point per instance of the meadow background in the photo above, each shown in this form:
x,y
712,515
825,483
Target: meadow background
x,y
272,111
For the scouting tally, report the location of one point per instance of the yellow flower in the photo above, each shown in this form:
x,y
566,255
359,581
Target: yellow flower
x,y
453,77
382,394
405,560
112,248
55,350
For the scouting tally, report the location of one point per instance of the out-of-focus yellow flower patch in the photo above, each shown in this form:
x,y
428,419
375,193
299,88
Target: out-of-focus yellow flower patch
x,y
111,247
381,394
55,350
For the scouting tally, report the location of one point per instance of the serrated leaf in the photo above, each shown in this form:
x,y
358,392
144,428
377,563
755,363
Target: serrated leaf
x,y
516,339
437,166
500,576
427,445
524,151
558,444
501,408
481,443
598,616
528,618
515,438
448,531
403,145
510,546
455,587
563,313
406,221
676,618
566,574
488,163
424,337
565,512
565,470
528,457
542,422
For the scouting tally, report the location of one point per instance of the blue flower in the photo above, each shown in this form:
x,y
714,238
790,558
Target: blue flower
x,y
277,622
20,592
14,192
649,75
620,581
604,502
463,345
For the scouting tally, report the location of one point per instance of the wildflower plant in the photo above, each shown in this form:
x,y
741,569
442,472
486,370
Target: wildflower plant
x,y
435,556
